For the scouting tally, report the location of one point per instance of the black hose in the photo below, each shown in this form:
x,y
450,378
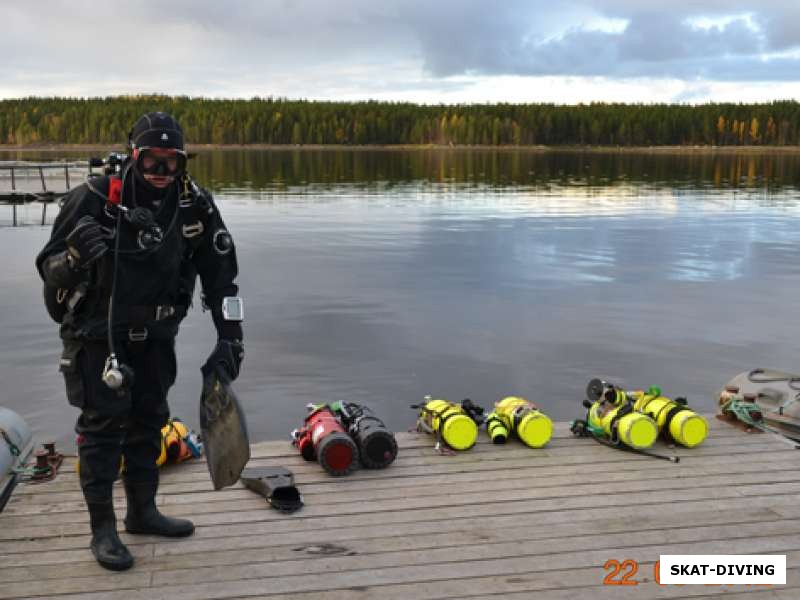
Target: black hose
x,y
113,286
610,444
117,235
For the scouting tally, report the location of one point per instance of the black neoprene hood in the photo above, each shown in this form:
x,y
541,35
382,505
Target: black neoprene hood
x,y
156,130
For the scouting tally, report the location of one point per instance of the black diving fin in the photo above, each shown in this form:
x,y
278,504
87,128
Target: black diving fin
x,y
224,430
276,484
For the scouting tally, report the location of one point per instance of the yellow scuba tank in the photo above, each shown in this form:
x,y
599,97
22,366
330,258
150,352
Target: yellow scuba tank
x,y
675,420
178,443
612,413
524,418
497,428
449,421
620,422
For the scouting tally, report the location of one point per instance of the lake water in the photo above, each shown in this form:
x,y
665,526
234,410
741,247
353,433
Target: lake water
x,y
382,276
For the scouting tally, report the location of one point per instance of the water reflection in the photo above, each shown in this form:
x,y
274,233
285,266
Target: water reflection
x,y
380,277
288,169
308,171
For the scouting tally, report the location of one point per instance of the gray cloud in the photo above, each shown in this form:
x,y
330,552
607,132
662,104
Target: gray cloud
x,y
317,48
662,42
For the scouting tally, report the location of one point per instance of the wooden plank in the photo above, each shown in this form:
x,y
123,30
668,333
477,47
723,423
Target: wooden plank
x,y
790,511
537,557
448,588
431,517
272,551
426,455
196,471
193,498
790,592
326,573
549,586
651,590
768,473
357,489
469,463
578,494
413,445
565,526
497,522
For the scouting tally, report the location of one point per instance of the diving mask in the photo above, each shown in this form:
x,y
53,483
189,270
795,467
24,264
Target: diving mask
x,y
164,162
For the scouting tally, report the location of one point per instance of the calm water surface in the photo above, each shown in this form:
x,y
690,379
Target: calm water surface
x,y
379,277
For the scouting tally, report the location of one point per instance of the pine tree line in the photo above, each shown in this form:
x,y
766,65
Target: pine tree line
x,y
280,121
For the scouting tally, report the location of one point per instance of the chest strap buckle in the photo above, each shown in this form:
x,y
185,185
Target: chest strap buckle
x,y
137,336
193,230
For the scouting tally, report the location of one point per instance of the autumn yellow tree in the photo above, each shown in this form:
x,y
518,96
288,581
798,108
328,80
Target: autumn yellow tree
x,y
772,130
721,129
754,137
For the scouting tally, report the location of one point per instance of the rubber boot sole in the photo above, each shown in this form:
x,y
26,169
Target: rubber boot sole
x,y
118,565
145,531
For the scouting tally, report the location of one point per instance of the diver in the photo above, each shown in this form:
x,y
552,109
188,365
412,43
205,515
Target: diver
x,y
119,271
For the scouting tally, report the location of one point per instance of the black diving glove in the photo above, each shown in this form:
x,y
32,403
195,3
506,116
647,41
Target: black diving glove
x,y
87,242
227,354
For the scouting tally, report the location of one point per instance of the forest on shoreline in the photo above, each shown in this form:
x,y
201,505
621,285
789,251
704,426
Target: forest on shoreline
x,y
276,122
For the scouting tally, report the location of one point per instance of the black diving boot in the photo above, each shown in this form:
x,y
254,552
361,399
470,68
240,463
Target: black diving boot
x,y
143,516
106,546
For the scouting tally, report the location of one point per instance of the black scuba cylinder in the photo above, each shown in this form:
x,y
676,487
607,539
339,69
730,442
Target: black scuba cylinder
x,y
377,445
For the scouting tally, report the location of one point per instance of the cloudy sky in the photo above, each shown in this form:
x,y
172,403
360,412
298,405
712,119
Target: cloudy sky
x,y
418,50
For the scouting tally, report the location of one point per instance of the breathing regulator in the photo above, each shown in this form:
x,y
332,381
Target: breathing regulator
x,y
117,375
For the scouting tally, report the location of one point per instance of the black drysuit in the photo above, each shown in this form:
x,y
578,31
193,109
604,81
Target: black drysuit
x,y
154,288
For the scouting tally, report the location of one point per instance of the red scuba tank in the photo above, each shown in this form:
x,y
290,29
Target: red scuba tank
x,y
323,438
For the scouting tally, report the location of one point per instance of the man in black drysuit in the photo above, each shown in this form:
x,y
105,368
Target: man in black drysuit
x,y
137,241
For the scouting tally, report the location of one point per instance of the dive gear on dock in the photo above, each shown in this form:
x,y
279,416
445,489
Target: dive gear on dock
x,y
224,430
377,446
524,418
323,438
455,425
676,421
276,484
611,412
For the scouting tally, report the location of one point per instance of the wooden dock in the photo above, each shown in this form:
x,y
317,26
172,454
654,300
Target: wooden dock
x,y
15,175
496,522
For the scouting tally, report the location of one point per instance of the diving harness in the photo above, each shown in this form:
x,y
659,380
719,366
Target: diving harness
x,y
116,374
